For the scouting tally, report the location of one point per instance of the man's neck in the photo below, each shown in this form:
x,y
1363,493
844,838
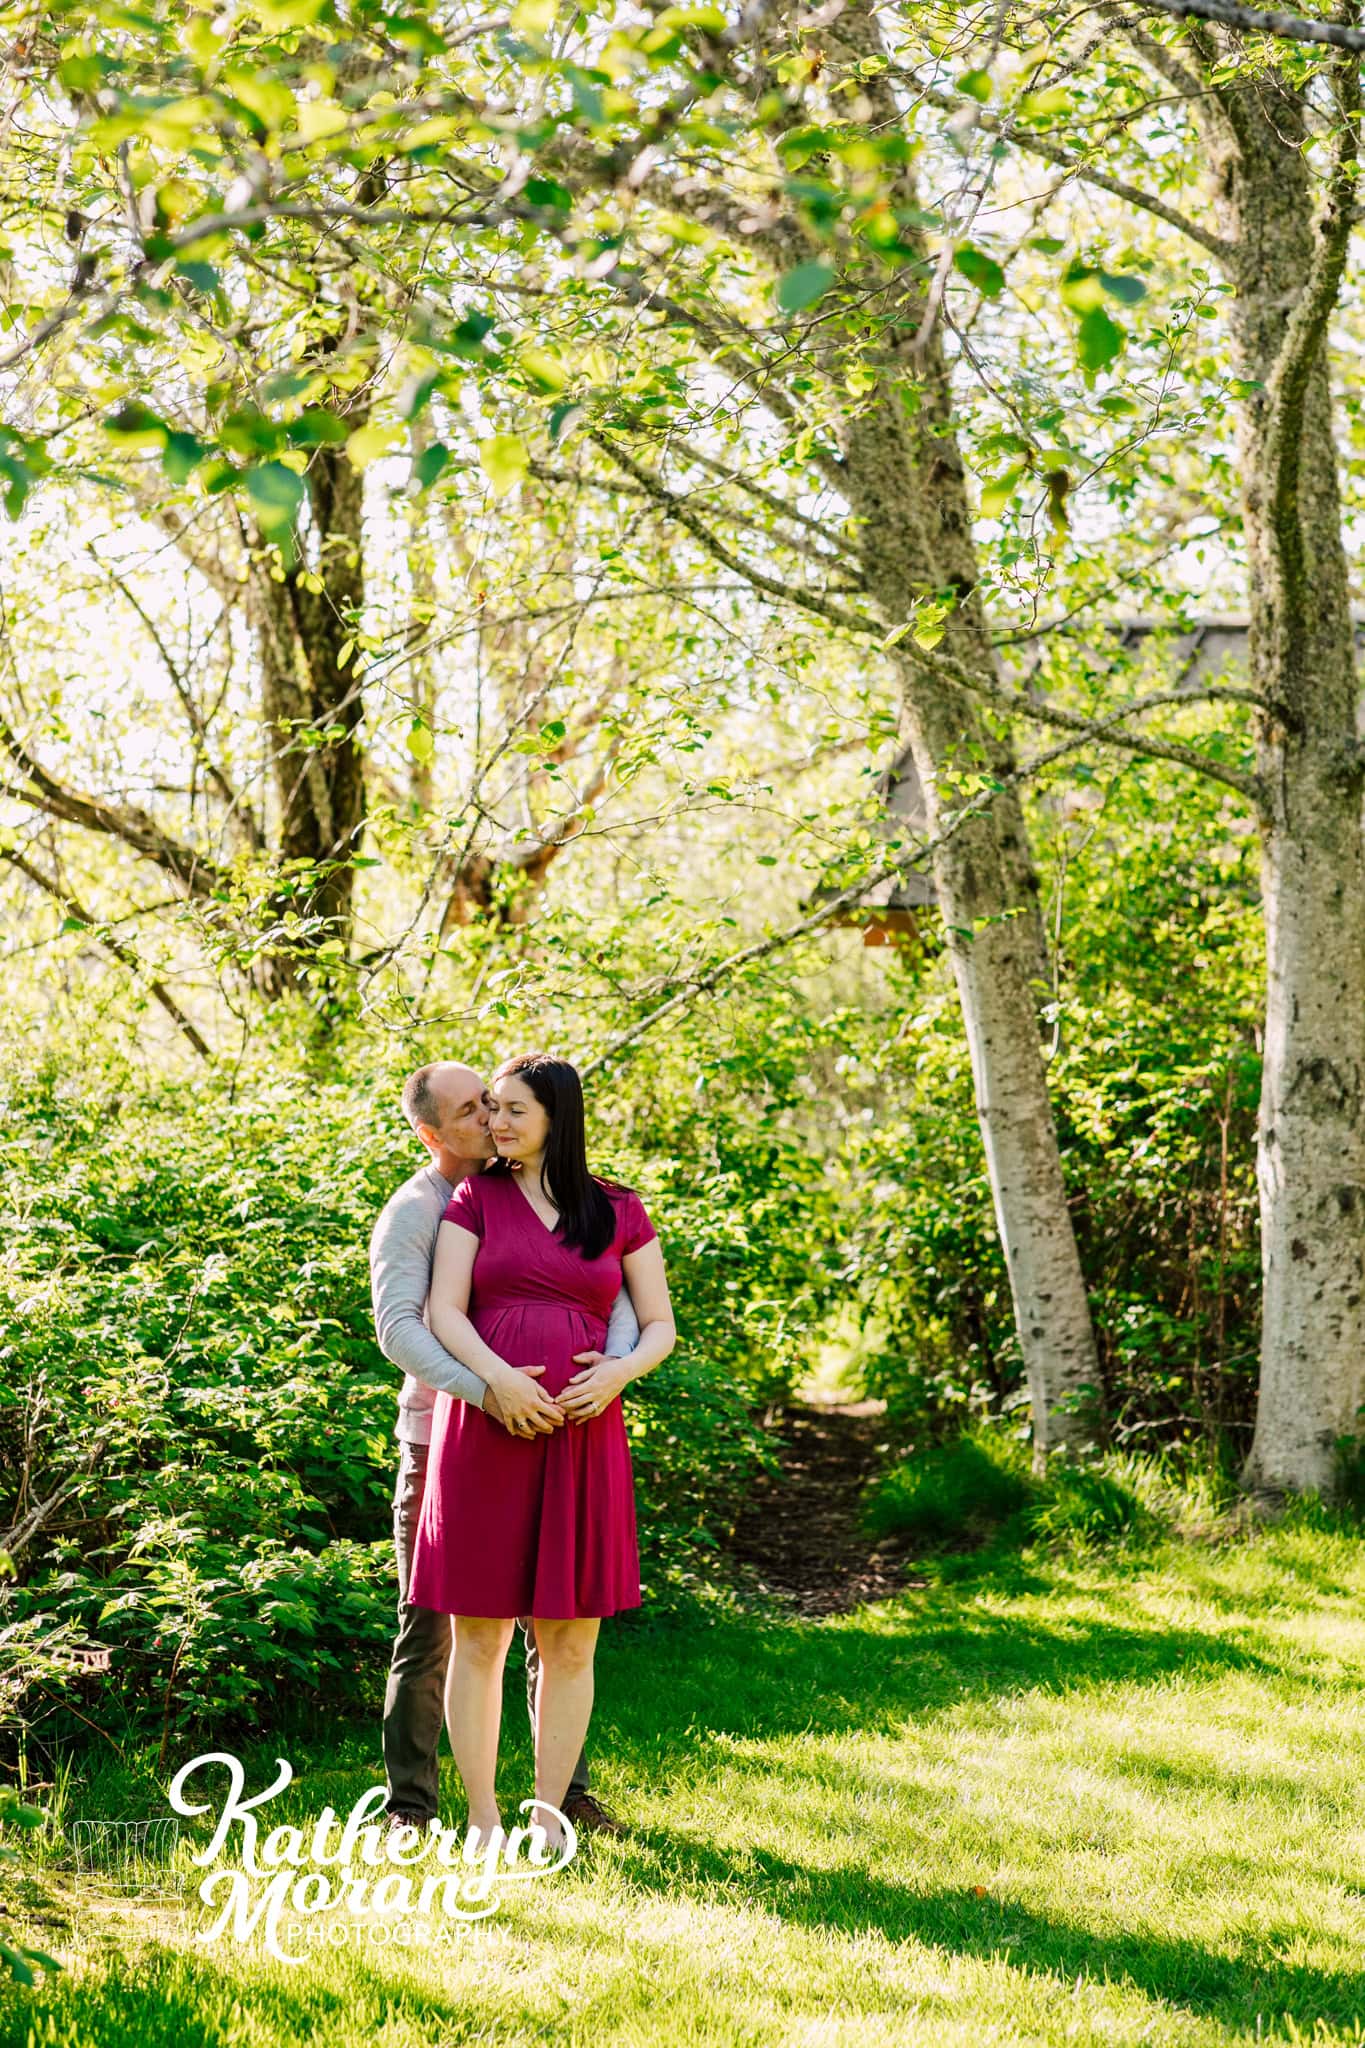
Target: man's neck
x,y
452,1166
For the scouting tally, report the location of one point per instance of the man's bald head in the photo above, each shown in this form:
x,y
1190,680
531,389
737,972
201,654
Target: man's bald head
x,y
435,1094
448,1107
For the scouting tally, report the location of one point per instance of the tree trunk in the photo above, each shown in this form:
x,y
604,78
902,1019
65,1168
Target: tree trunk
x,y
1311,1138
905,480
991,925
313,709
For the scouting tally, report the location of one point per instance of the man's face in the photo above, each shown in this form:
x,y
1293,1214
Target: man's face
x,y
465,1106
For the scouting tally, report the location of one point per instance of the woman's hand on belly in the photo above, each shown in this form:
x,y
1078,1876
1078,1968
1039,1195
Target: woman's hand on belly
x,y
594,1387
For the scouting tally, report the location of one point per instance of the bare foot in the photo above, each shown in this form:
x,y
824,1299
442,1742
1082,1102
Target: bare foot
x,y
479,1836
556,1841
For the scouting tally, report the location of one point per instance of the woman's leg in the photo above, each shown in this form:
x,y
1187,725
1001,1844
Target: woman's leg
x,y
474,1710
564,1707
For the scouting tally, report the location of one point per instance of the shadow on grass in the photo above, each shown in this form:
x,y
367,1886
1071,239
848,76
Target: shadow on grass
x,y
1255,1990
198,2002
663,1695
174,2000
661,1698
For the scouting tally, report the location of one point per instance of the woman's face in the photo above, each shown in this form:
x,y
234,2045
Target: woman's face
x,y
519,1127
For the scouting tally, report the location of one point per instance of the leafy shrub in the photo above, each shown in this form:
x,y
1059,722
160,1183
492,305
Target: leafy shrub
x,y
1155,1084
17,1959
980,1487
1083,1506
188,1348
952,1493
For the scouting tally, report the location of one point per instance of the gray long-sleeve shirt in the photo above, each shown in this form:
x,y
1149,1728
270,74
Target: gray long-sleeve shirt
x,y
402,1247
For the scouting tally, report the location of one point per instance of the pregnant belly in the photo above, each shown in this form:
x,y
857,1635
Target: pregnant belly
x,y
541,1333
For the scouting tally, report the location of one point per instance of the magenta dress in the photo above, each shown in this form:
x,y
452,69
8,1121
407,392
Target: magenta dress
x,y
543,1524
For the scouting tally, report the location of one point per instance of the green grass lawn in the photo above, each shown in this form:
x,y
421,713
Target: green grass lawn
x,y
1115,1798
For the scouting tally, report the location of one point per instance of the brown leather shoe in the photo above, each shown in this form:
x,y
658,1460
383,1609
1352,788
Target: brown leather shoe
x,y
399,1819
589,1816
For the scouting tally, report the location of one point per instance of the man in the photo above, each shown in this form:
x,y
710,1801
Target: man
x,y
448,1108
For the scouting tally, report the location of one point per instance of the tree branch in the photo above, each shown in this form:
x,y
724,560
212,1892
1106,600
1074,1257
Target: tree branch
x,y
199,876
1045,713
233,799
1053,153
777,941
1293,28
1300,349
678,508
125,956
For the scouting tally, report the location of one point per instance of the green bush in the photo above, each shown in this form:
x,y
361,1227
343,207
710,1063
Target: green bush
x,y
188,1345
952,1493
1083,1506
980,1488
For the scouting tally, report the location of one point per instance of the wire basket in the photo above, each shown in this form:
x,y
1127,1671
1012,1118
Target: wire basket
x,y
133,1855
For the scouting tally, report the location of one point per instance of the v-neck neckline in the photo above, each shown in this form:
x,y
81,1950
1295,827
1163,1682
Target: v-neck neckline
x,y
526,1202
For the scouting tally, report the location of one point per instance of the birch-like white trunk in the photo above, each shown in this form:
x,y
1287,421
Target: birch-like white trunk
x,y
991,944
1311,1137
905,482
908,496
1310,1160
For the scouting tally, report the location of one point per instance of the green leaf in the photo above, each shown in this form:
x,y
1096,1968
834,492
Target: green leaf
x,y
136,427
978,85
803,286
550,193
981,270
83,70
1080,288
429,465
543,370
249,431
1040,106
182,454
276,494
1125,287
368,443
1099,339
505,461
202,276
996,494
421,744
315,427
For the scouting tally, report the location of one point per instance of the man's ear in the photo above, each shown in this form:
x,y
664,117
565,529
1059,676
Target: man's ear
x,y
428,1137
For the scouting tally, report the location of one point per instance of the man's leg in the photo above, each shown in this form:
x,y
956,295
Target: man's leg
x,y
414,1699
579,1781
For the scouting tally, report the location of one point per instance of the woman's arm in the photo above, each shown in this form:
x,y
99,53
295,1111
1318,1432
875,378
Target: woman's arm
x,y
602,1378
520,1400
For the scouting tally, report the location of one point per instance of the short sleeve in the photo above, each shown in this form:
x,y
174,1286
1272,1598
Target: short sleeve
x,y
465,1207
635,1224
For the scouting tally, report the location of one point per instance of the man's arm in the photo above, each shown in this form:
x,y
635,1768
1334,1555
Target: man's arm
x,y
623,1327
400,1278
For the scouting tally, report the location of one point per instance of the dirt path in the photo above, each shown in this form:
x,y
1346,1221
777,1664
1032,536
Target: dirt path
x,y
799,1534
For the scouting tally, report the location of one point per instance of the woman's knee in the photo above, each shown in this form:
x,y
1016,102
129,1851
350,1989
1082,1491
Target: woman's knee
x,y
566,1645
482,1639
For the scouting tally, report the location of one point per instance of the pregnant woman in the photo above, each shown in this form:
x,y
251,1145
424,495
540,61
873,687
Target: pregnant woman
x,y
529,1259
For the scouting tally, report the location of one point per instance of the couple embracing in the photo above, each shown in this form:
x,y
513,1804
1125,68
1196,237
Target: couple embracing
x,y
520,1293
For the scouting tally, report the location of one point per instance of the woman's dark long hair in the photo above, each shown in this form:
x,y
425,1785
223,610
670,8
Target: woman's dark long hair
x,y
586,1217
